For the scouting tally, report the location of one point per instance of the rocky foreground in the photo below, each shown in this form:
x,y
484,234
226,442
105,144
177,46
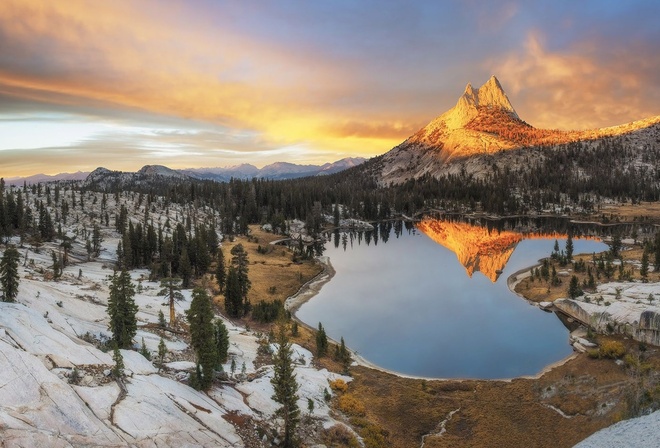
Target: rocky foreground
x,y
56,327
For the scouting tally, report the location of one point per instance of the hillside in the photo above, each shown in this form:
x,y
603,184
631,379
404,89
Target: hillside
x,y
483,125
60,325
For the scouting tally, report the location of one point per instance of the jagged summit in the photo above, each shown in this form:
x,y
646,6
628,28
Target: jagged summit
x,y
490,96
482,123
450,133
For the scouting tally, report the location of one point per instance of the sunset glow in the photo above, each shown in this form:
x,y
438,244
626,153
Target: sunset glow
x,y
205,83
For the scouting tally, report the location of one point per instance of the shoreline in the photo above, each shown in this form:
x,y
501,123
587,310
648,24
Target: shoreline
x,y
313,286
518,276
310,288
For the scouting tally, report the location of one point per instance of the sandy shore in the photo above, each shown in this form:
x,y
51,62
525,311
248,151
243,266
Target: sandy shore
x,y
517,277
311,287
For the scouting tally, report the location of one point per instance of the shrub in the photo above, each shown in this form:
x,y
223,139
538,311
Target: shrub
x,y
266,312
350,405
74,377
612,349
594,353
339,436
631,361
372,435
339,385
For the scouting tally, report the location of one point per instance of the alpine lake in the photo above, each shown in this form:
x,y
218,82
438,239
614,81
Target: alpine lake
x,y
430,299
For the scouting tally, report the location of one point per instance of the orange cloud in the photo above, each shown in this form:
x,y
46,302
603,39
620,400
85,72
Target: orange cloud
x,y
575,90
121,54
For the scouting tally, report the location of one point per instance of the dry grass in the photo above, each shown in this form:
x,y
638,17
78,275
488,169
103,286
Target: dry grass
x,y
630,212
273,269
493,413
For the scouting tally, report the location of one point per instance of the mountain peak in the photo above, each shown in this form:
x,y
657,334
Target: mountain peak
x,y
483,122
489,95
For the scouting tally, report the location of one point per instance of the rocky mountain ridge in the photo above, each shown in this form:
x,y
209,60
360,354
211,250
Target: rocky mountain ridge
x,y
484,123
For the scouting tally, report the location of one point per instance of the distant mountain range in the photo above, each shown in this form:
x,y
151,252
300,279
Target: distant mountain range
x,y
278,171
36,178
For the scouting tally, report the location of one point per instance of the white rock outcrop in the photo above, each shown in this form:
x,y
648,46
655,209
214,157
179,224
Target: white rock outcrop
x,y
619,307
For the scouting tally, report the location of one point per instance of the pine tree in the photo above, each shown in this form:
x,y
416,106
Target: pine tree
x,y
220,271
286,388
569,248
118,369
96,240
122,309
344,355
221,341
233,298
321,342
57,266
171,289
9,278
144,351
185,268
202,338
644,268
161,319
574,290
615,246
240,262
162,352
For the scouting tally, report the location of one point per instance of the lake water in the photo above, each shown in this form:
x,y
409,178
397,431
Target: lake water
x,y
410,306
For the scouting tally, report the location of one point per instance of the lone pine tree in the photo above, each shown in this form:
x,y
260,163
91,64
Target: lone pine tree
x,y
171,288
240,262
321,342
122,309
286,387
233,296
202,339
9,274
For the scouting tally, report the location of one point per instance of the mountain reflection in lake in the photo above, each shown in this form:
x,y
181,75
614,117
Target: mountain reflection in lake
x,y
402,300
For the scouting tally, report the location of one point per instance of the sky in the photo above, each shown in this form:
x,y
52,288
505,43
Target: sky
x,y
125,83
